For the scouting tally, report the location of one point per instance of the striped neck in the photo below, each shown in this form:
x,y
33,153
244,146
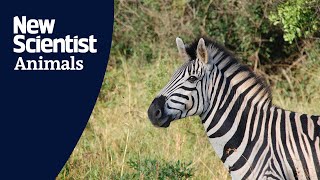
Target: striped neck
x,y
236,97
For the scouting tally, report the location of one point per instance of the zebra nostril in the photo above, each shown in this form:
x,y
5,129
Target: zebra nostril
x,y
158,113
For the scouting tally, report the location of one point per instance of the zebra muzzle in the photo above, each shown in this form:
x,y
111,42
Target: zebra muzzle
x,y
156,112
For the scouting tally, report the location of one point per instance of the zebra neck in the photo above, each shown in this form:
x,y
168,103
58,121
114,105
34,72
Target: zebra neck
x,y
231,111
238,131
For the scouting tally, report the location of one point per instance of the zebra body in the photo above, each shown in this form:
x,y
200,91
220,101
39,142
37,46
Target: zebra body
x,y
253,138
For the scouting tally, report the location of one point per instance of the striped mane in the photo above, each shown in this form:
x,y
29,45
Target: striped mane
x,y
215,48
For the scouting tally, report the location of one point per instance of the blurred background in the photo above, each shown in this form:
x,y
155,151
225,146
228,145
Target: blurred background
x,y
278,39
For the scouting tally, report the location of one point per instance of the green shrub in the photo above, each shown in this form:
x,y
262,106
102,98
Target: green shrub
x,y
158,169
298,18
246,27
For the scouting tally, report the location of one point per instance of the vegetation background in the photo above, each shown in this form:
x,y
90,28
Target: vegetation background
x,y
277,39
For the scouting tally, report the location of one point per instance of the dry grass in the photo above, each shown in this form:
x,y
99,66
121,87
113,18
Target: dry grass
x,y
117,132
119,128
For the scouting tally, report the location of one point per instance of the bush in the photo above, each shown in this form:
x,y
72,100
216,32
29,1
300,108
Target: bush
x,y
157,169
142,28
298,18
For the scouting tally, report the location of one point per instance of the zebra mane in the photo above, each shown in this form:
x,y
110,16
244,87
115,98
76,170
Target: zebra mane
x,y
214,48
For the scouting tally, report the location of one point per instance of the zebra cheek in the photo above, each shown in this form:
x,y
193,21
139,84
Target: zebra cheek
x,y
188,105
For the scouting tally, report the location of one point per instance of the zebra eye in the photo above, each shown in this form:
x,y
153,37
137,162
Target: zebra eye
x,y
192,79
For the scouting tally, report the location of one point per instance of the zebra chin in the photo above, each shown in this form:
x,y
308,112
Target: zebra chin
x,y
163,123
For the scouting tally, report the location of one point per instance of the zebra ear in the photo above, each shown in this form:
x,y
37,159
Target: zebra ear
x,y
182,49
202,52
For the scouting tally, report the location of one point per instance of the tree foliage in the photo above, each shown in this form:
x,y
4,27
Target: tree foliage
x,y
259,33
298,18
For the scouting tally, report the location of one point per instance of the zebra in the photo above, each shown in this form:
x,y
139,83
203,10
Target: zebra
x,y
253,138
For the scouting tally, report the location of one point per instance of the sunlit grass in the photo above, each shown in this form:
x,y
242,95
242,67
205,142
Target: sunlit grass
x,y
119,130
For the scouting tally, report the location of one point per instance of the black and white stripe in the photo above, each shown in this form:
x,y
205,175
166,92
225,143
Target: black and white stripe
x,y
254,138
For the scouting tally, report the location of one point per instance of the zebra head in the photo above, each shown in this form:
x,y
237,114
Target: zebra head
x,y
184,94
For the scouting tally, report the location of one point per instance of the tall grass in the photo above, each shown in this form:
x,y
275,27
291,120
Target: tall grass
x,y
119,142
119,131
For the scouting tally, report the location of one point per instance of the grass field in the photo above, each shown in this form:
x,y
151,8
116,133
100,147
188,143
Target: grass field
x,y
119,130
119,142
